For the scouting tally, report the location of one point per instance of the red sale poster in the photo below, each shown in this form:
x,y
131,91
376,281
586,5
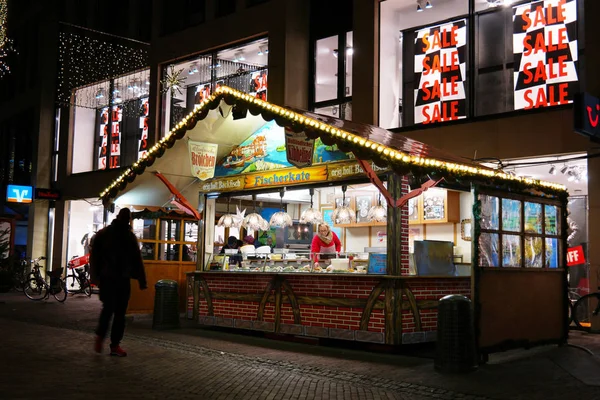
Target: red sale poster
x,y
440,71
545,50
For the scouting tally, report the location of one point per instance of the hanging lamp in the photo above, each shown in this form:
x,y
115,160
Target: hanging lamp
x,y
377,213
228,220
311,215
344,214
280,219
254,220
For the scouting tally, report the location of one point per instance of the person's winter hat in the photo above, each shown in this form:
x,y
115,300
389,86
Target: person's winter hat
x,y
124,215
249,239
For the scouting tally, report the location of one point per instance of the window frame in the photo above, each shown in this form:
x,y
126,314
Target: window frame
x,y
156,242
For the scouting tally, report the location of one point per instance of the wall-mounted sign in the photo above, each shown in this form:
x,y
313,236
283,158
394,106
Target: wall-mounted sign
x,y
19,194
286,177
545,53
575,256
587,115
440,71
47,194
299,149
203,158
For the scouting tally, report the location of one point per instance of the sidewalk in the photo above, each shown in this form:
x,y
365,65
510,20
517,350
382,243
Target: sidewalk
x,y
47,352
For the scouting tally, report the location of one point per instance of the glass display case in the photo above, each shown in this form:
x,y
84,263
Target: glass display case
x,y
296,262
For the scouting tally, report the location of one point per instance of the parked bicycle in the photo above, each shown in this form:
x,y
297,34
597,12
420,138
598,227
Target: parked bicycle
x,y
19,275
37,288
585,308
78,277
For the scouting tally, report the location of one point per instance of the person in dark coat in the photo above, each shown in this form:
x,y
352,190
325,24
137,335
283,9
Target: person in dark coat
x,y
115,260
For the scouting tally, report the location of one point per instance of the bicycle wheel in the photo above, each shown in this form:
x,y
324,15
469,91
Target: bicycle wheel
x,y
60,291
87,287
72,284
583,310
35,290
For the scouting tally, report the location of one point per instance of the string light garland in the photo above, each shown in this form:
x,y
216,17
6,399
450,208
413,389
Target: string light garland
x,y
6,44
85,61
394,158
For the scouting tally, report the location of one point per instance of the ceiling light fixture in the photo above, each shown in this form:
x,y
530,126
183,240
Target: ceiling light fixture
x,y
552,170
228,220
428,4
255,221
100,93
377,213
564,169
311,215
343,214
280,219
349,51
419,9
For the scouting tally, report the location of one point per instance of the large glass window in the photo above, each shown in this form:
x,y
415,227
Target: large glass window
x,y
111,136
333,88
174,240
243,68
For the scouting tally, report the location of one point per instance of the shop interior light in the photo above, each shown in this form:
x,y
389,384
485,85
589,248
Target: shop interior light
x,y
377,213
349,51
260,51
254,220
228,220
552,170
344,214
419,8
311,215
571,175
428,4
100,93
564,169
280,219
335,54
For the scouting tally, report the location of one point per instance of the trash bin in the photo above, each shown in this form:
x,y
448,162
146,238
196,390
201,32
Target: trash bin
x,y
166,305
455,347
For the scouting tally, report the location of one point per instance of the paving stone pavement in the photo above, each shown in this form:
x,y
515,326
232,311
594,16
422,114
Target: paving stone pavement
x,y
46,353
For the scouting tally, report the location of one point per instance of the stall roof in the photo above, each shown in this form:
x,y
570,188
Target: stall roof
x,y
213,121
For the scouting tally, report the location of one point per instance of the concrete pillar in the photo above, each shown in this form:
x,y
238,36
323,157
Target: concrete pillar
x,y
365,62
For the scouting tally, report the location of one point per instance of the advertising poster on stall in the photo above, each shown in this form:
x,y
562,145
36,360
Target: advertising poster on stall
x,y
299,149
203,158
440,73
143,138
545,53
103,132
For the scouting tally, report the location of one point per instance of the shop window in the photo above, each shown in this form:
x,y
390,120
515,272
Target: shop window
x,y
518,233
423,62
332,87
175,240
85,219
243,68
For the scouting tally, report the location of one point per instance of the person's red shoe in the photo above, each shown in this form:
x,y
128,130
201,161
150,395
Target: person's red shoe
x,y
117,351
98,344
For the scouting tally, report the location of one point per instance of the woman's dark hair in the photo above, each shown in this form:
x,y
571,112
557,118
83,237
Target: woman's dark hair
x,y
232,241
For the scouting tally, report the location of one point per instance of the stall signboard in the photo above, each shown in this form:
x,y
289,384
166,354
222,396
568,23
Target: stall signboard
x,y
440,72
575,256
587,115
377,263
19,194
203,158
287,177
299,149
545,53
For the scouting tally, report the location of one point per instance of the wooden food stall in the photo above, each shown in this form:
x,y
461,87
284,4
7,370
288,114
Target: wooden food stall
x,y
396,262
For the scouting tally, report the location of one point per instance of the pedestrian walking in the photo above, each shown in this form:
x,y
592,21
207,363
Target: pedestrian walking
x,y
115,260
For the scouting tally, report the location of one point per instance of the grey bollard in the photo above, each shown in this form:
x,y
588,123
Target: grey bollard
x,y
166,305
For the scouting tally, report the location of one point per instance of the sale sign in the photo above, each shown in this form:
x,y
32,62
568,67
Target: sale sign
x,y
298,148
575,256
203,158
545,53
440,71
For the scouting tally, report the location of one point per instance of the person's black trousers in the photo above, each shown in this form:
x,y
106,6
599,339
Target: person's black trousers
x,y
115,297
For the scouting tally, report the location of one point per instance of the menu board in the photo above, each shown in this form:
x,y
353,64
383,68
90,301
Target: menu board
x,y
545,53
377,263
440,72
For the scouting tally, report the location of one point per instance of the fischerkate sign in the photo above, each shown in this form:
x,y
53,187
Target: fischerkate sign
x,y
440,71
203,158
545,53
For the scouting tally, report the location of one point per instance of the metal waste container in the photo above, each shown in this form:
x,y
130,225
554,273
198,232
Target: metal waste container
x,y
166,305
455,347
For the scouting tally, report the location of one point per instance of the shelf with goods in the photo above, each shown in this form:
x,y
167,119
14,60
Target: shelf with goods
x,y
435,206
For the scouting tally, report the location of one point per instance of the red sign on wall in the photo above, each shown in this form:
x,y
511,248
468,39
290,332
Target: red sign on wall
x,y
575,256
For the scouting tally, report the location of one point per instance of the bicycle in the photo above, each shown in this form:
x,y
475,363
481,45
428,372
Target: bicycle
x,y
19,276
37,288
581,310
78,279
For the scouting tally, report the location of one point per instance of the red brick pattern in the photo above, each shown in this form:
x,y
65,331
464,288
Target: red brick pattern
x,y
404,270
329,286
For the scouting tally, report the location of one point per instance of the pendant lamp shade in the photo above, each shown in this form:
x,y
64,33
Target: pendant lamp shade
x,y
344,214
254,220
311,215
377,213
280,219
228,220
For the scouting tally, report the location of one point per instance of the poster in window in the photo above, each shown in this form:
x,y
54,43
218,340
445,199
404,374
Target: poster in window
x,y
143,138
103,132
440,72
545,53
258,84
115,136
202,92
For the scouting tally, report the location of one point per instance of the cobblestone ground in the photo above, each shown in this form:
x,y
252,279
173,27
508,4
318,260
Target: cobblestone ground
x,y
47,352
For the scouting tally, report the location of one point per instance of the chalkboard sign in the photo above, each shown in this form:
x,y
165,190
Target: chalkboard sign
x,y
377,263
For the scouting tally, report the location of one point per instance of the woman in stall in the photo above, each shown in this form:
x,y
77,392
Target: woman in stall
x,y
325,244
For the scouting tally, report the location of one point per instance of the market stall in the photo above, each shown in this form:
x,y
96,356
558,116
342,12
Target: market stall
x,y
395,262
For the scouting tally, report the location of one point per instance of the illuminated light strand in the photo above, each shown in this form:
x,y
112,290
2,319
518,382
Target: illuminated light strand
x,y
394,156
